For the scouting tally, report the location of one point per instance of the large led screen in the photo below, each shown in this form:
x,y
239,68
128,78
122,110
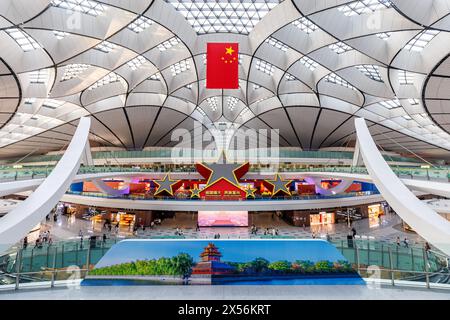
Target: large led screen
x,y
223,262
223,218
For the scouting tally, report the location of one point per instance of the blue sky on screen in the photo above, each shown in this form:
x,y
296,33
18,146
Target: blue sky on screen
x,y
232,250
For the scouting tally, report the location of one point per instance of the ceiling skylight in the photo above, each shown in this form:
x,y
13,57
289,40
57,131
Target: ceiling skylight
x,y
265,67
60,34
180,67
231,103
52,104
238,16
277,44
390,104
109,78
340,47
384,35
136,63
140,24
421,40
155,76
73,70
39,76
105,46
213,104
26,42
371,71
305,25
405,78
364,6
168,44
90,7
309,63
290,77
335,79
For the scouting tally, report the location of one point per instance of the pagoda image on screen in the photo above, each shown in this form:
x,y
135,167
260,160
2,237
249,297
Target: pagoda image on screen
x,y
210,263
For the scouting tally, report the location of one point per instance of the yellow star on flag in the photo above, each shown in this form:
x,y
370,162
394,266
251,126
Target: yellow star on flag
x,y
229,51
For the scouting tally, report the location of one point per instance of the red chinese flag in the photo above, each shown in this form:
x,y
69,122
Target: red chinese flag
x,y
222,66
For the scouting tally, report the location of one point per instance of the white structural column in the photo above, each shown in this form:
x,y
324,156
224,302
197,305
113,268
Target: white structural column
x,y
357,159
18,222
340,188
425,221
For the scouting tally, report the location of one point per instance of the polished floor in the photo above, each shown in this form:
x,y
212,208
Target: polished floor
x,y
386,230
229,293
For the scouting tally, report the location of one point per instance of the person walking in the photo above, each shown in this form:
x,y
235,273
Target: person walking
x,y
405,242
353,232
104,238
25,242
398,241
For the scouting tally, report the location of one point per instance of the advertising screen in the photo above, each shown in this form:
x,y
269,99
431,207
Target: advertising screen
x,y
223,218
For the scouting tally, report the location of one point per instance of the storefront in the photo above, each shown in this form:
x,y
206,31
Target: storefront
x,y
322,218
374,212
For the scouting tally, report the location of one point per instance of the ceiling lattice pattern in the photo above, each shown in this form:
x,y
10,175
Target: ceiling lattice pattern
x,y
138,69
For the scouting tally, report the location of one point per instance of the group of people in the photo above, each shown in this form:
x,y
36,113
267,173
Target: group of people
x,y
44,237
271,231
178,232
405,242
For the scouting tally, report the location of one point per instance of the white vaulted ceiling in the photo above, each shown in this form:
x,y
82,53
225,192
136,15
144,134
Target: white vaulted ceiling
x,y
306,68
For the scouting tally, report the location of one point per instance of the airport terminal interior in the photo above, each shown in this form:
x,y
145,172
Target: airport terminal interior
x,y
291,143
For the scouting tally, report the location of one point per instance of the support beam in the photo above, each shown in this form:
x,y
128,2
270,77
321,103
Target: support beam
x,y
18,222
424,220
340,188
357,158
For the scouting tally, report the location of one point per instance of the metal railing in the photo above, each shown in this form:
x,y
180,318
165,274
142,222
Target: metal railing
x,y
442,174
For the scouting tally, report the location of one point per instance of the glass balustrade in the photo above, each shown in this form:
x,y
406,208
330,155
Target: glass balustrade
x,y
71,260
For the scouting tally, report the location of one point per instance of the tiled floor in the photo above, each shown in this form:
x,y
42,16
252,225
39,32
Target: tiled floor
x,y
229,292
388,230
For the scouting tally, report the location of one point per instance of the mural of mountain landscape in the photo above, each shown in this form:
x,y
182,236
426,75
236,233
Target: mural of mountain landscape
x,y
223,262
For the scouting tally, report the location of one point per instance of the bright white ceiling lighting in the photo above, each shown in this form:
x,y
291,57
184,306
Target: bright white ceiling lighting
x,y
90,7
140,24
265,67
384,35
52,104
73,70
309,63
168,44
405,78
105,46
26,42
391,104
290,77
340,47
421,40
155,76
238,16
413,101
213,104
335,79
136,63
371,71
180,67
109,78
231,103
305,25
364,6
39,76
277,44
60,34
